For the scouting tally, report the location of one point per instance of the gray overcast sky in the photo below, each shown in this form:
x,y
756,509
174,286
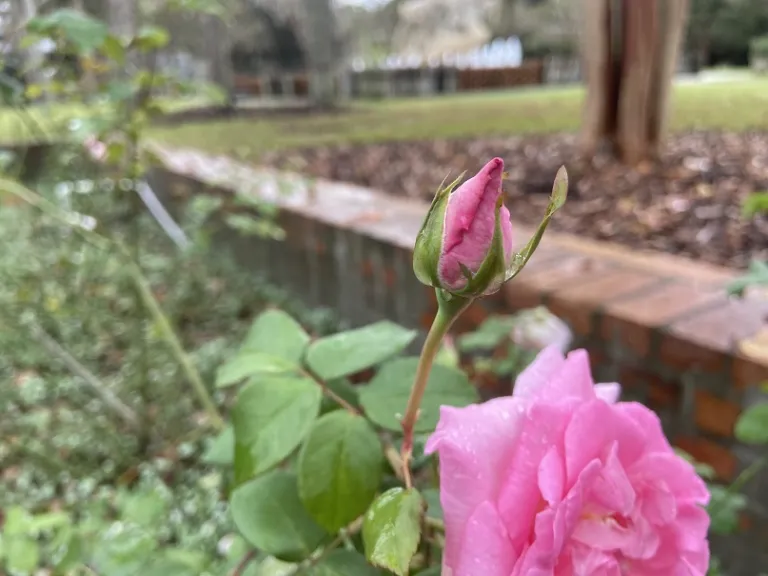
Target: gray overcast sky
x,y
362,2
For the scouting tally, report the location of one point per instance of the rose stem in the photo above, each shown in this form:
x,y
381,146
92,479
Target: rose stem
x,y
448,309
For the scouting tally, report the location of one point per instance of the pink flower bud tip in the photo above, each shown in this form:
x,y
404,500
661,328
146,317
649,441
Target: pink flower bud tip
x,y
470,220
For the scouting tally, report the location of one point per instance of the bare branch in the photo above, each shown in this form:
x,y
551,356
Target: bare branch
x,y
97,386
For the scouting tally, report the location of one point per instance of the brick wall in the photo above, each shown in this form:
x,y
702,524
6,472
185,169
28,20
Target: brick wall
x,y
662,326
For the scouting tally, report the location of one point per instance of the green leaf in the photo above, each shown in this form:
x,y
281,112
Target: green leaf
x,y
22,555
434,507
724,509
192,558
350,352
345,390
119,91
492,332
556,201
275,333
271,417
757,275
113,49
168,567
122,549
84,32
386,397
151,38
244,464
176,562
18,522
70,550
251,363
269,515
221,449
340,468
145,509
48,521
271,566
434,571
752,425
756,203
392,529
343,563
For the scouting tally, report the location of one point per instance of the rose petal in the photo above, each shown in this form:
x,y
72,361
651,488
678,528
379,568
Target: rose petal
x,y
554,527
612,489
659,505
485,549
649,423
470,223
590,431
551,477
474,445
532,382
542,428
676,473
608,392
550,378
692,523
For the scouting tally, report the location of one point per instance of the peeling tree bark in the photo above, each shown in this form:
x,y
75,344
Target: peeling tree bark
x,y
597,69
630,50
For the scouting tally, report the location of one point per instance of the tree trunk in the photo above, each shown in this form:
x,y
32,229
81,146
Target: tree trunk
x,y
322,49
630,50
599,72
218,48
504,25
122,16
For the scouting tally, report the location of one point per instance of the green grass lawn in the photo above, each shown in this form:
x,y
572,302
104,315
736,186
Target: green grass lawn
x,y
735,105
739,104
42,122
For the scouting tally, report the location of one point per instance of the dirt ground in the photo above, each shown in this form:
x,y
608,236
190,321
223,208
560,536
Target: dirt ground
x,y
690,203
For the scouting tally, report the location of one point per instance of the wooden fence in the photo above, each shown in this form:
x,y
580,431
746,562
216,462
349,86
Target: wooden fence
x,y
424,81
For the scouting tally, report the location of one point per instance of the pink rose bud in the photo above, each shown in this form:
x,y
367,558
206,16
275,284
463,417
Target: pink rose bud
x,y
465,243
561,479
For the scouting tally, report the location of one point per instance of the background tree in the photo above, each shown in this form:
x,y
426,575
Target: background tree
x,y
736,24
503,25
630,52
123,16
323,50
704,13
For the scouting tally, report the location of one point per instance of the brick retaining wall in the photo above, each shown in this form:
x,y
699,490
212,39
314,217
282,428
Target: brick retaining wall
x,y
663,326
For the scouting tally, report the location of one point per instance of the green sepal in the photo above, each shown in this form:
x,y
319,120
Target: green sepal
x,y
556,201
429,242
490,275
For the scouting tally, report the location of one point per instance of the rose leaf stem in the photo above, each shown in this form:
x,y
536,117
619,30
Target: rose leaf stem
x,y
449,307
330,393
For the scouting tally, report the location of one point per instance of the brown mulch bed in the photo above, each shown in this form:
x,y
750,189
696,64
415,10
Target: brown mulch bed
x,y
690,203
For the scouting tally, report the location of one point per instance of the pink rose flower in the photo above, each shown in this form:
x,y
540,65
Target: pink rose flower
x,y
561,480
460,239
96,148
470,220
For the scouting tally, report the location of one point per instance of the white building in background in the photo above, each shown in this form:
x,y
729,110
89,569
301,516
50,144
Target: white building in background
x,y
501,53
